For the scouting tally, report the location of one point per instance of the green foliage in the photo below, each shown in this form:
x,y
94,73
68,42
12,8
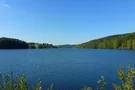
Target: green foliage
x,y
38,86
51,87
133,44
32,45
20,83
86,88
66,46
10,43
40,46
122,41
102,84
126,80
7,83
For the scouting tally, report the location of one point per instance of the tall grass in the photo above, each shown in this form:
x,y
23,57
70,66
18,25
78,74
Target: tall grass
x,y
8,82
19,83
125,78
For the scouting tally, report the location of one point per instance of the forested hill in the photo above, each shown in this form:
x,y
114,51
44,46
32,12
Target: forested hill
x,y
120,41
11,43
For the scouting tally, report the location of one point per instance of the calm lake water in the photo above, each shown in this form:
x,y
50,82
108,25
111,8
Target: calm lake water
x,y
67,69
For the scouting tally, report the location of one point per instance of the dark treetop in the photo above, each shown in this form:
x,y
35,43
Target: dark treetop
x,y
33,45
11,43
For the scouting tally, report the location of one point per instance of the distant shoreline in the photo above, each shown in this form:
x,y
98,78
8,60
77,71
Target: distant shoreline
x,y
119,41
11,43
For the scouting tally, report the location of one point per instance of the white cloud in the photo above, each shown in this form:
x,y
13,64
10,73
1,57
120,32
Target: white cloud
x,y
5,5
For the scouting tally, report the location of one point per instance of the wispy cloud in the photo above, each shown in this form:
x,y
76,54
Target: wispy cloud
x,y
6,5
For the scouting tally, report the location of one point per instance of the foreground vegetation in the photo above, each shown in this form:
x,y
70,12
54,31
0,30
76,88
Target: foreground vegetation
x,y
19,83
125,78
11,43
8,83
121,41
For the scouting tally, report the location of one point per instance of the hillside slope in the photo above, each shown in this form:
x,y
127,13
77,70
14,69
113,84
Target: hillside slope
x,y
120,41
12,43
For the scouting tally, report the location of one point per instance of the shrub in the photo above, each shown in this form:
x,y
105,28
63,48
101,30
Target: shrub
x,y
126,80
8,83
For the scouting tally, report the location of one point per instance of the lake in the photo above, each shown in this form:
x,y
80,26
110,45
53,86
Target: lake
x,y
67,69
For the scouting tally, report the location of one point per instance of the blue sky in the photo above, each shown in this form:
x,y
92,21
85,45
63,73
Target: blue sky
x,y
65,21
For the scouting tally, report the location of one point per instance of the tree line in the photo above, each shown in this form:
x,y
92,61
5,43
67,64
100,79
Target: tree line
x,y
120,41
11,43
66,46
40,46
